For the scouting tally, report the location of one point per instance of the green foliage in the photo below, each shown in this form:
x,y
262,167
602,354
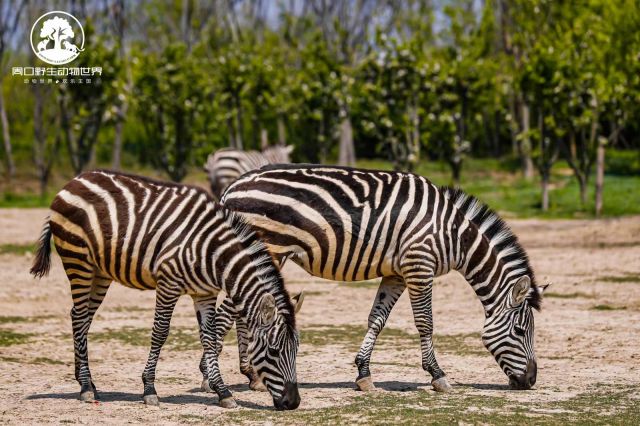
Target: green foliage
x,y
449,81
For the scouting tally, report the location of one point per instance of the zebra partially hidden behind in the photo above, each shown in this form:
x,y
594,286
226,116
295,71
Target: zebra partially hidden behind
x,y
226,165
349,224
175,239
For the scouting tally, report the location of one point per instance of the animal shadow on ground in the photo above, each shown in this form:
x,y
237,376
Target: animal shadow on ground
x,y
388,386
204,398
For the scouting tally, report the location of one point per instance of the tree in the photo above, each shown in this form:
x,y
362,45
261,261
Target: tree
x,y
9,18
83,106
172,102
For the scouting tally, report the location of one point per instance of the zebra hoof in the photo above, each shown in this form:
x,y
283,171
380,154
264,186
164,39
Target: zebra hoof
x,y
257,385
441,385
151,400
88,396
204,387
366,384
228,402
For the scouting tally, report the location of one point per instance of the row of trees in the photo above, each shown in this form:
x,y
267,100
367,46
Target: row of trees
x,y
404,80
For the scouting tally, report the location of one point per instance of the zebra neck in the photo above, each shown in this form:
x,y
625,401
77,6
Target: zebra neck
x,y
482,268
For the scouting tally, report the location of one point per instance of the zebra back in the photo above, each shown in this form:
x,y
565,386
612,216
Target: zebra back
x,y
226,165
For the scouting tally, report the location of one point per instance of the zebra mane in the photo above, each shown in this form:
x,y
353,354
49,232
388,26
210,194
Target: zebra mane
x,y
496,230
262,259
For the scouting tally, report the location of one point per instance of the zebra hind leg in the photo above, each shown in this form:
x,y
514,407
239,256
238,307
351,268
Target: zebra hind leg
x,y
87,294
420,295
166,299
390,290
206,313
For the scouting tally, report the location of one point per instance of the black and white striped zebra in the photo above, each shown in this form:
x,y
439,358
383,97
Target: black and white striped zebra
x,y
226,165
349,224
175,239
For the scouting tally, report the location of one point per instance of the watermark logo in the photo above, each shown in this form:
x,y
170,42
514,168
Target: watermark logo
x,y
57,38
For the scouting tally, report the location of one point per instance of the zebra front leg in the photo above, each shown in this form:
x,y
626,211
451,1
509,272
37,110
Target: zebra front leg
x,y
390,290
420,295
226,315
166,300
224,321
87,296
206,313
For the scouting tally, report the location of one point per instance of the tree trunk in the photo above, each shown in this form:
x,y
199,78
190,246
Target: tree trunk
x,y
264,138
239,123
117,142
347,155
599,176
582,182
282,133
6,137
545,192
525,143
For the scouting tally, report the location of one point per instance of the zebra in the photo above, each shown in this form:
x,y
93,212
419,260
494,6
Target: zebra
x,y
351,224
227,164
147,235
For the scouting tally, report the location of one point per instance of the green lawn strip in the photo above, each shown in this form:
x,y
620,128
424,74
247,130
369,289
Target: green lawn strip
x,y
574,295
17,248
10,338
350,336
180,338
604,405
626,278
608,308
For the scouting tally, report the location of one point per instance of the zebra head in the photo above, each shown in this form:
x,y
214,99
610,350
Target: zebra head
x,y
273,346
508,333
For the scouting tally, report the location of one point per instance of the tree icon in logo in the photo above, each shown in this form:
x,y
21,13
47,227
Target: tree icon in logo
x,y
55,38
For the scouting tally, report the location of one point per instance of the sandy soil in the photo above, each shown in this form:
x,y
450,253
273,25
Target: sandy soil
x,y
587,337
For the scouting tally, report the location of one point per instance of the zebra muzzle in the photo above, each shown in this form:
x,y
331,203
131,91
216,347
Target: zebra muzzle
x,y
527,380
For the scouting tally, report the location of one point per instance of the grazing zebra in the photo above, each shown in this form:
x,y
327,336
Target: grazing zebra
x,y
175,239
226,165
349,224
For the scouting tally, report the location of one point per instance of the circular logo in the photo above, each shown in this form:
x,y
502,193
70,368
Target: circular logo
x,y
57,38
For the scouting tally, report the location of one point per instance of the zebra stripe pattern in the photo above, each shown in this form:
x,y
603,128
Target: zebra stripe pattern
x,y
226,165
349,224
175,239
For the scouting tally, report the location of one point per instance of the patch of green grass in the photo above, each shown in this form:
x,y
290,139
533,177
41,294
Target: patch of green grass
x,y
608,308
361,284
128,309
603,405
45,360
12,319
24,200
10,338
627,278
568,295
17,248
509,193
315,293
180,338
350,336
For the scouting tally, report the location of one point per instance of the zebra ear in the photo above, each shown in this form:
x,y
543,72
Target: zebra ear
x,y
521,289
543,288
267,309
297,301
289,149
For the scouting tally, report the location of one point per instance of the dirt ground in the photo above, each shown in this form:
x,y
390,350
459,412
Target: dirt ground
x,y
587,344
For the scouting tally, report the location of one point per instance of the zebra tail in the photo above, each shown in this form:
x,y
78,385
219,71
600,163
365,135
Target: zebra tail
x,y
42,262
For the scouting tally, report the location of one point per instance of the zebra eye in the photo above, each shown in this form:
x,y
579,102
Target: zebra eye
x,y
272,352
519,330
